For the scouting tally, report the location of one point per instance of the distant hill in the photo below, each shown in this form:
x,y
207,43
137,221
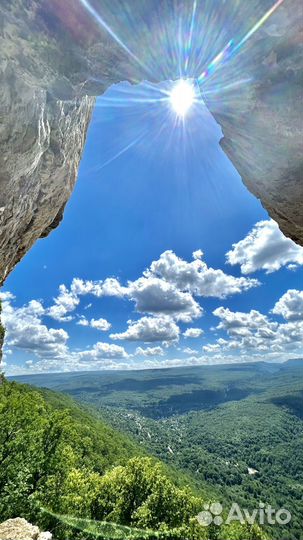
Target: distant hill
x,y
235,430
160,393
64,469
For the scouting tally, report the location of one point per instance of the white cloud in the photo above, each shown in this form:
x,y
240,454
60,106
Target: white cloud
x,y
165,294
100,324
254,333
250,336
103,351
198,254
265,248
65,302
166,288
79,287
241,324
6,295
196,277
83,322
191,352
108,287
68,299
112,287
210,348
150,329
149,351
193,332
290,305
156,296
25,331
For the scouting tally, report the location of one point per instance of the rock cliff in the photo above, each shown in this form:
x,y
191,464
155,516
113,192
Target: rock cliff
x,y
56,56
20,529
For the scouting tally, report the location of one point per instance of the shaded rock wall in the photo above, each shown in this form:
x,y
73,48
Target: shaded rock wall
x,y
55,57
42,142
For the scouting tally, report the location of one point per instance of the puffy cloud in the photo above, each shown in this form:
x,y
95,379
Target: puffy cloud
x,y
193,332
5,296
149,351
79,287
157,296
108,287
167,287
265,248
254,333
290,305
198,254
25,331
212,347
150,329
241,324
68,299
112,287
66,302
103,351
83,322
99,324
196,277
191,352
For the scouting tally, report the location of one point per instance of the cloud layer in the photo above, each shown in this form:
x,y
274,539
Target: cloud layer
x,y
165,298
255,333
150,329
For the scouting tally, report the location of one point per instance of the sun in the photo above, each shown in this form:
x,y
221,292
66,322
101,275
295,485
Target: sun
x,y
182,97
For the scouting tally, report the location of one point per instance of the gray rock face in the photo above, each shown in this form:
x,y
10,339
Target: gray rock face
x,y
42,144
55,57
20,529
262,121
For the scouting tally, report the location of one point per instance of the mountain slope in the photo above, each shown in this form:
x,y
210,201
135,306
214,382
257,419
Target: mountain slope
x,y
66,471
236,431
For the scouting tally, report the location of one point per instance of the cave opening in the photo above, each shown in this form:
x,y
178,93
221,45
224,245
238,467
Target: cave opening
x,y
156,197
165,313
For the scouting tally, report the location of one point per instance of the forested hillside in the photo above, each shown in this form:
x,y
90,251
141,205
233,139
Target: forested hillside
x,y
236,431
67,471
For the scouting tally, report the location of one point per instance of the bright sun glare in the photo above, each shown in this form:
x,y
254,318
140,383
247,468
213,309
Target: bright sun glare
x,y
182,97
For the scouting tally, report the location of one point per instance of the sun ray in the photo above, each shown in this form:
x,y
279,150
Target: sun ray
x,y
190,37
230,49
258,24
122,151
216,61
109,30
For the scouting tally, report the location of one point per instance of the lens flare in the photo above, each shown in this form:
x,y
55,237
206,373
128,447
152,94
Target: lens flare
x,y
182,97
102,23
231,48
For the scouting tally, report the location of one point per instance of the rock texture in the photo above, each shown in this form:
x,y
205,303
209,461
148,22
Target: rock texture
x,y
42,141
262,121
55,57
20,529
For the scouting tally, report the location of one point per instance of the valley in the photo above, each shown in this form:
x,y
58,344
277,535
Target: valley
x,y
234,432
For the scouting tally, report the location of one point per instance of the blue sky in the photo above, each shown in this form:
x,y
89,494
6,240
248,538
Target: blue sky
x,y
169,188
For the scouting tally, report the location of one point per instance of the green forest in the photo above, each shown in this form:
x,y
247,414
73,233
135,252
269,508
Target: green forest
x,y
67,471
230,433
